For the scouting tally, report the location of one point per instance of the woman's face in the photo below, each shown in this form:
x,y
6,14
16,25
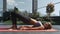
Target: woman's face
x,y
47,25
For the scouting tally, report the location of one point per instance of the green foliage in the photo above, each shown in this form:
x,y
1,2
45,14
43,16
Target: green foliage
x,y
6,16
37,15
50,8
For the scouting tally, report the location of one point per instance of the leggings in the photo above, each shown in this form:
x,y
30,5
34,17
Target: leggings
x,y
25,19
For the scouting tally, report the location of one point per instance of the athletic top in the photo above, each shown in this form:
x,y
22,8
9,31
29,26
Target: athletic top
x,y
38,24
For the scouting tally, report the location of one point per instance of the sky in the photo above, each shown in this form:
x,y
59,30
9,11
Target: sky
x,y
27,5
45,2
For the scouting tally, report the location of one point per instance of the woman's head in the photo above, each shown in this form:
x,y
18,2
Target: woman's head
x,y
47,25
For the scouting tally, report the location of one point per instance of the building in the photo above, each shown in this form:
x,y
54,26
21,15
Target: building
x,y
4,5
59,13
34,6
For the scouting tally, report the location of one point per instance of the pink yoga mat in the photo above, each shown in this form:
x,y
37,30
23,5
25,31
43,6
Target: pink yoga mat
x,y
10,30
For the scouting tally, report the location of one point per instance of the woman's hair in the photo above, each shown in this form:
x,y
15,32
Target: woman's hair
x,y
47,25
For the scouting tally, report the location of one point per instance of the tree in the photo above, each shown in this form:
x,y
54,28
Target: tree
x,y
37,15
49,9
25,13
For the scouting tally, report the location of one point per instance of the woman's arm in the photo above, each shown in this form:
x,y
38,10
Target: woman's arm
x,y
38,28
31,28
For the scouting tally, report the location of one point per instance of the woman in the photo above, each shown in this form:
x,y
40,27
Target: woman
x,y
36,24
46,26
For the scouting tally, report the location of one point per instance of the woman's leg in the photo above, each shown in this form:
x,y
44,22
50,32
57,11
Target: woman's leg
x,y
23,18
14,20
27,20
